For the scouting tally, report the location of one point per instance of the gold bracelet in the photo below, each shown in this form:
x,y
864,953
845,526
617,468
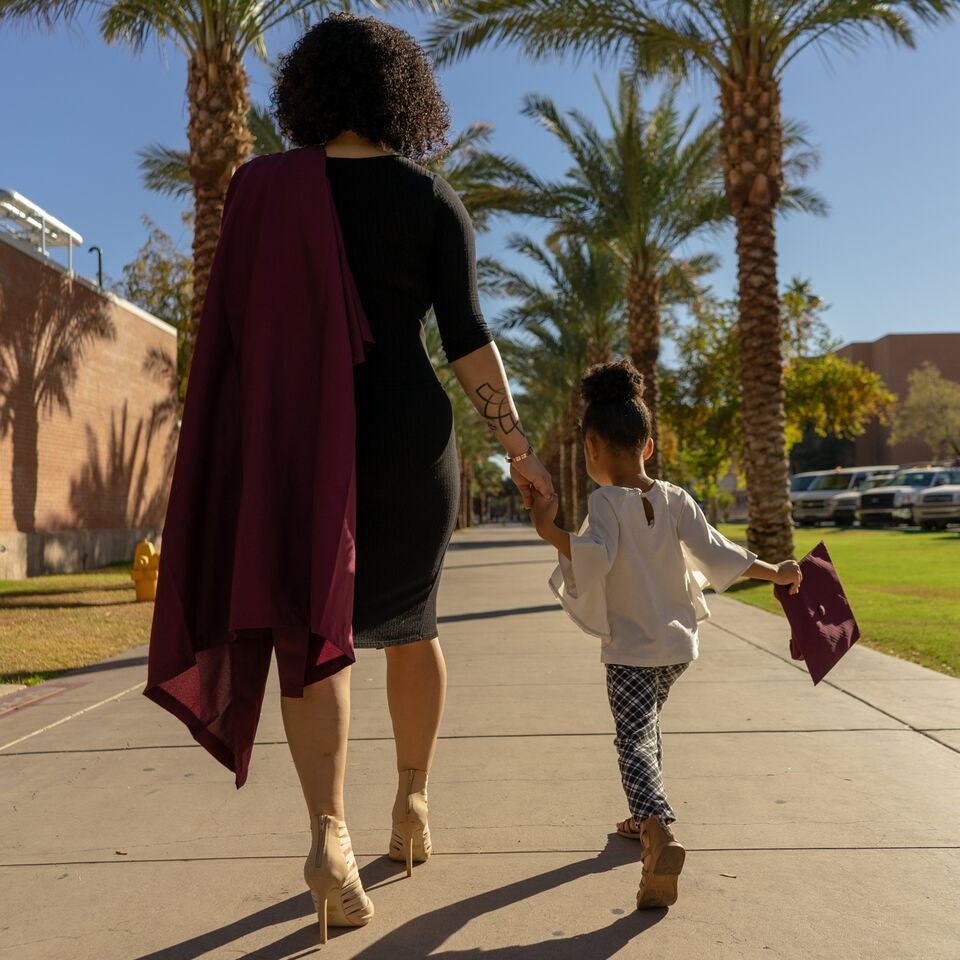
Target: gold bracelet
x,y
521,456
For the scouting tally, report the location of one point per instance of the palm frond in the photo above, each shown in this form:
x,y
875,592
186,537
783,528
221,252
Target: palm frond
x,y
45,13
267,137
165,170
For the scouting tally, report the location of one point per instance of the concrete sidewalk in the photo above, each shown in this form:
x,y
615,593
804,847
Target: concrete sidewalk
x,y
820,823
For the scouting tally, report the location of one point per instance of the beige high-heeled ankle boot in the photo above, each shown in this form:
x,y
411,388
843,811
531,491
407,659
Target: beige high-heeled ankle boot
x,y
331,874
410,840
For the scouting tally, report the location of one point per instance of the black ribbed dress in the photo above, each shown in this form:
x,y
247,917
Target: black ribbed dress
x,y
409,242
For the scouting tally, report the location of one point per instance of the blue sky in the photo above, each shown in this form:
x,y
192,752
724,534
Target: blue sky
x,y
886,258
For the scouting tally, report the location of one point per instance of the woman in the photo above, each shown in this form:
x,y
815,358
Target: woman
x,y
365,93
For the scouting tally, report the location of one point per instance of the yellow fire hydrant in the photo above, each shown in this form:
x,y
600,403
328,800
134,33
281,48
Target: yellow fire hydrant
x,y
146,569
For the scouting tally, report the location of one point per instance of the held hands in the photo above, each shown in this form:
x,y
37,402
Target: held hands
x,y
532,478
544,512
788,574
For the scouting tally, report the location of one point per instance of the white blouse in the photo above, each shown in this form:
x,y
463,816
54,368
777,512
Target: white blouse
x,y
639,585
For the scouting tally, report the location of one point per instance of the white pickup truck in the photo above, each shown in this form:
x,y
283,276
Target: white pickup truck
x,y
845,505
896,502
818,503
940,505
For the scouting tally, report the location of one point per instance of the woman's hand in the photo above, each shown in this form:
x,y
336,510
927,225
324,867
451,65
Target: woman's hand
x,y
532,477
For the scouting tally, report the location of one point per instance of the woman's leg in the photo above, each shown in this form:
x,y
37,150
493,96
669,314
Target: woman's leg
x,y
416,689
317,726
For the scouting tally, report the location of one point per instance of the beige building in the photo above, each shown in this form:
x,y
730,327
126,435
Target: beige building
x,y
894,357
87,417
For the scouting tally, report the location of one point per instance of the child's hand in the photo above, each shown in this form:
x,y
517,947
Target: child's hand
x,y
544,511
788,573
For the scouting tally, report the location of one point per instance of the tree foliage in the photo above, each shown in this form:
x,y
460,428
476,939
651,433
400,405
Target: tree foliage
x,y
702,397
833,397
823,392
160,281
930,412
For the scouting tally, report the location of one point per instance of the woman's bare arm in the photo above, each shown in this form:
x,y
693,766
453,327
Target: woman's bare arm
x,y
484,381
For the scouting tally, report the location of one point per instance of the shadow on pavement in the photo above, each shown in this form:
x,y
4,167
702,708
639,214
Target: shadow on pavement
x,y
502,612
106,665
41,601
486,544
425,934
293,908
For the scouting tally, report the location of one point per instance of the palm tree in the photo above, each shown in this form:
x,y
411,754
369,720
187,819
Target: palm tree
x,y
549,334
215,39
647,191
745,48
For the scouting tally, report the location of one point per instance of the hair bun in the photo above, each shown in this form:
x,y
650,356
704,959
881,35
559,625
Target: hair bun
x,y
618,382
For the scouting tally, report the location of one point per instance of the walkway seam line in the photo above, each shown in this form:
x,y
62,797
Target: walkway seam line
x,y
73,716
833,686
126,861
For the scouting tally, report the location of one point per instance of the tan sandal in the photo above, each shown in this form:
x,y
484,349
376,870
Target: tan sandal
x,y
662,862
628,828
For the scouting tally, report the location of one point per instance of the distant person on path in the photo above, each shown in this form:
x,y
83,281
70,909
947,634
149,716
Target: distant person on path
x,y
634,578
293,416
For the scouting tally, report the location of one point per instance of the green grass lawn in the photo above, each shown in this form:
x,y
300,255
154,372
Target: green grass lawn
x,y
903,585
52,624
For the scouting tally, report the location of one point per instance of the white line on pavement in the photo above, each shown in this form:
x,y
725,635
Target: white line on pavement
x,y
56,723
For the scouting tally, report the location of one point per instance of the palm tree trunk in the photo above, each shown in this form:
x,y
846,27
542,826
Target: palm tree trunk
x,y
219,141
551,455
577,464
643,332
599,353
583,483
752,153
570,488
574,482
466,507
564,517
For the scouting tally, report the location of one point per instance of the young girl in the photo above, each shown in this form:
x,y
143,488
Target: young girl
x,y
634,577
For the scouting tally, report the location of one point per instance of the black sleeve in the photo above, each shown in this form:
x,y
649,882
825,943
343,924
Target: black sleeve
x,y
453,275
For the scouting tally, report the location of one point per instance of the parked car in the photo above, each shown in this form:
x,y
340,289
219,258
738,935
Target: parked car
x,y
801,481
845,505
936,508
816,504
894,503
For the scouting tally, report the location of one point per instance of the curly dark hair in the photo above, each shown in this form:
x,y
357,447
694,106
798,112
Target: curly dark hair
x,y
616,412
361,74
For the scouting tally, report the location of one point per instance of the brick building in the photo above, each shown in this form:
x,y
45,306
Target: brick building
x,y
895,357
87,418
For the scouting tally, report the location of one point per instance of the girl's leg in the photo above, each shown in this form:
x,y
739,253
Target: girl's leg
x,y
416,689
317,726
632,692
666,678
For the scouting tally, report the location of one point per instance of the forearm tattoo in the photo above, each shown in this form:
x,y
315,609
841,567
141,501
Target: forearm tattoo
x,y
496,410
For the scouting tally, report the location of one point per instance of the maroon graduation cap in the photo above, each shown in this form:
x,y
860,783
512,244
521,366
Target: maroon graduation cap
x,y
822,624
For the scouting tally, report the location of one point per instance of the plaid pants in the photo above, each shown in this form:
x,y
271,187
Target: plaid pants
x,y
637,695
